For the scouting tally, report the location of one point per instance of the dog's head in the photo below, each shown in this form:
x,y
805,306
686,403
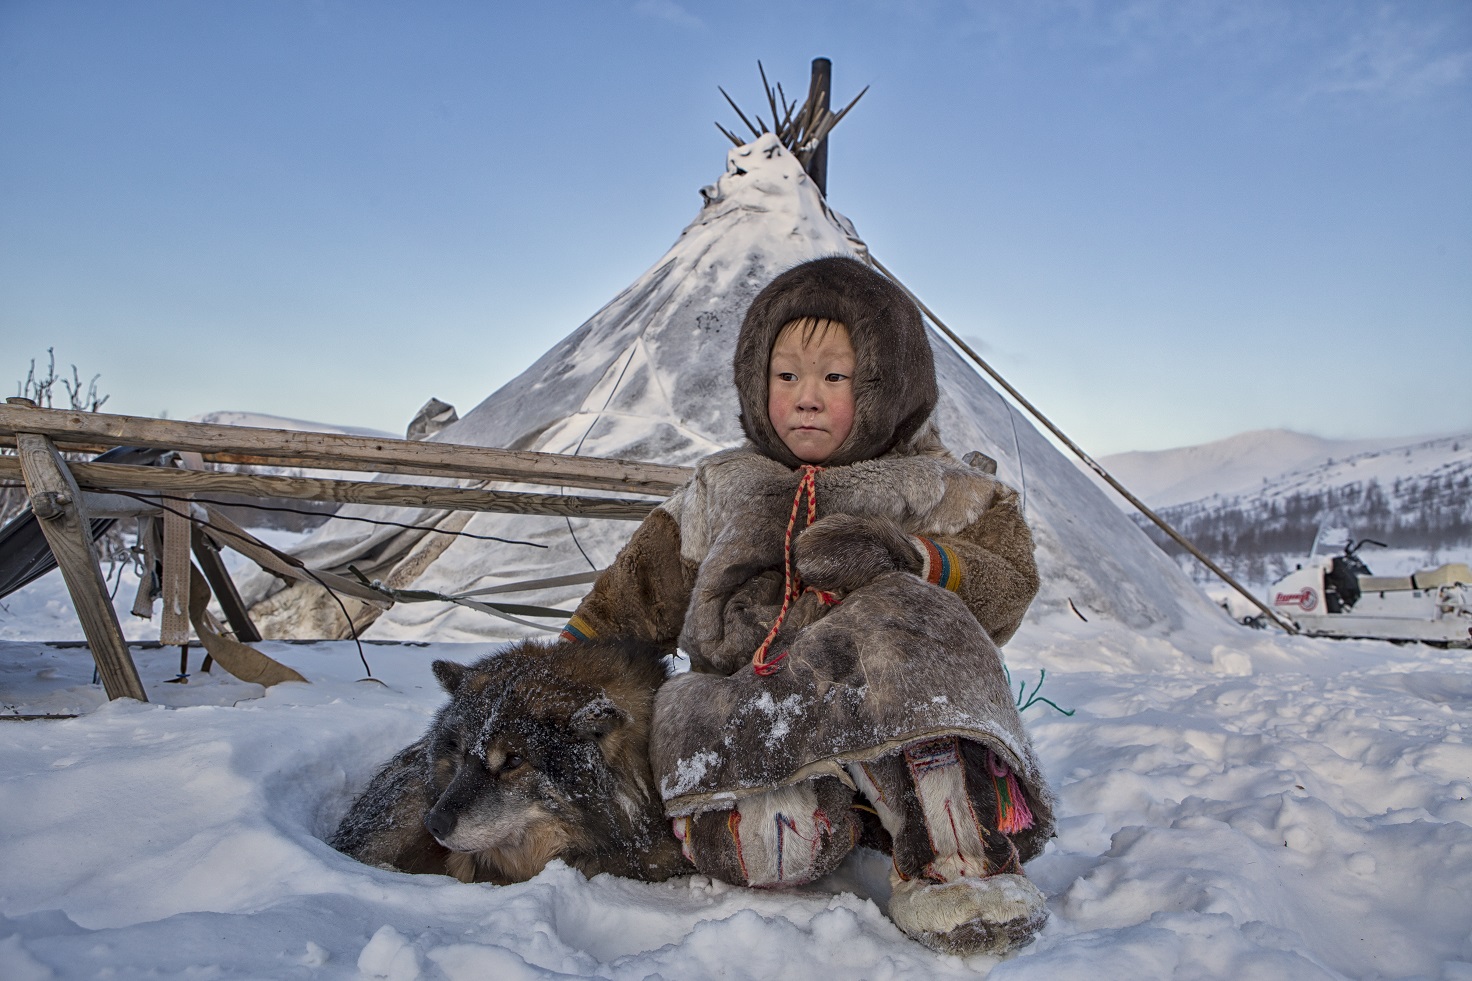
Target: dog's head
x,y
535,745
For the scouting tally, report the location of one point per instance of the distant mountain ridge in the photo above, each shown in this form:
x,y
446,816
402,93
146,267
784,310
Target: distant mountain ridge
x,y
1413,494
1235,465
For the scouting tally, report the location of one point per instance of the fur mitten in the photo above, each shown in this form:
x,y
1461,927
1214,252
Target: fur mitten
x,y
842,552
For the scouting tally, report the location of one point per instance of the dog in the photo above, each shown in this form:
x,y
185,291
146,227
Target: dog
x,y
542,752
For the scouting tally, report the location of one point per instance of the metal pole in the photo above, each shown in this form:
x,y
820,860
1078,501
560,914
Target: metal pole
x,y
1140,505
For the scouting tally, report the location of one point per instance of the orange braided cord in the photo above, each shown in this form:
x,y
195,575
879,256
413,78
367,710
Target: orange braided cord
x,y
791,584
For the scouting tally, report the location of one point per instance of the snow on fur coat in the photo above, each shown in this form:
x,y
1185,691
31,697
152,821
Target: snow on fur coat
x,y
938,570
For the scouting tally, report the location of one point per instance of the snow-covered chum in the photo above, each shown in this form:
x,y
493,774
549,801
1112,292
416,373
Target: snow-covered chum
x,y
829,579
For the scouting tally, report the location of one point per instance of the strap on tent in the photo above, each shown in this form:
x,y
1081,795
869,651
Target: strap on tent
x,y
576,579
241,660
275,561
505,611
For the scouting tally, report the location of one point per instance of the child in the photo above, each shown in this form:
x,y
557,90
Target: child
x,y
841,584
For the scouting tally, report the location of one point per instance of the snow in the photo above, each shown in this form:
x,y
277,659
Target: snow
x,y
1234,804
262,420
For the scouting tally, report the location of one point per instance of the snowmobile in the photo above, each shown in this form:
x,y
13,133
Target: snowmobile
x,y
1338,596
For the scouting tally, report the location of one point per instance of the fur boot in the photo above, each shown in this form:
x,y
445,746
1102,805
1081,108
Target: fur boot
x,y
969,916
784,837
958,882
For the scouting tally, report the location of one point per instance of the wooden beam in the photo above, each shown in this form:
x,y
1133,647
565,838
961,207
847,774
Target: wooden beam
x,y
376,467
215,573
174,625
120,476
8,442
333,450
57,503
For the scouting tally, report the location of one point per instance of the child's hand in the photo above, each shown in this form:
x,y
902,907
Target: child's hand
x,y
842,552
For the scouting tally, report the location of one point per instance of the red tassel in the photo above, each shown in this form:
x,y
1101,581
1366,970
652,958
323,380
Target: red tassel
x,y
1013,814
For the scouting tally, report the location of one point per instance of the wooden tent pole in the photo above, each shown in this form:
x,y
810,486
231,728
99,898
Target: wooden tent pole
x,y
822,85
1089,461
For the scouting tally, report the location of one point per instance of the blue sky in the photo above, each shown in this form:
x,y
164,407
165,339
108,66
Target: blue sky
x,y
1164,222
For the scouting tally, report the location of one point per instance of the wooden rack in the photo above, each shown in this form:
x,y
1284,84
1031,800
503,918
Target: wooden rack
x,y
66,495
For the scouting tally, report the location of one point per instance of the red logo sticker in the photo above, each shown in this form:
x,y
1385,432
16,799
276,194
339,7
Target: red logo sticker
x,y
1305,599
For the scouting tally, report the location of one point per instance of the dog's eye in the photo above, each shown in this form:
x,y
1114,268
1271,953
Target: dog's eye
x,y
512,762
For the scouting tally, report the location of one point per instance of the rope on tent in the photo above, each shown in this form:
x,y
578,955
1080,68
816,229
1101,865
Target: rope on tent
x,y
1017,448
576,579
506,611
612,391
1089,461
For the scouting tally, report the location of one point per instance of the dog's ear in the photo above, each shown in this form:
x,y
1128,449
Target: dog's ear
x,y
598,718
449,674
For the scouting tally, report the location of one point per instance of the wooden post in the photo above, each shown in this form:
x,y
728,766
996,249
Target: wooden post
x,y
215,573
57,502
174,583
820,88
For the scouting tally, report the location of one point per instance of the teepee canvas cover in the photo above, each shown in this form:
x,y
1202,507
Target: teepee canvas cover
x,y
648,378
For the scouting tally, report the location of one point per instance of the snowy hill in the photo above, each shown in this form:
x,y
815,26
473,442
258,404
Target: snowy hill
x,y
1235,465
1413,495
292,515
262,420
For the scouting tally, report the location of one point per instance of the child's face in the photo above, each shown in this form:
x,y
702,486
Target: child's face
x,y
810,392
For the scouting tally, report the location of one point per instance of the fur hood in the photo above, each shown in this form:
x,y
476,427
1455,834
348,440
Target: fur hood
x,y
894,371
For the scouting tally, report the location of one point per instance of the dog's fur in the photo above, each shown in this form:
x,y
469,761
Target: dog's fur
x,y
542,752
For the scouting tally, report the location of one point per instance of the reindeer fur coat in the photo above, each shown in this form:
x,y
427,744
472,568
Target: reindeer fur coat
x,y
925,564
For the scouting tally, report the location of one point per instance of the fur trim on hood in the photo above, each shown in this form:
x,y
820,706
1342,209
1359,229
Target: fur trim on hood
x,y
894,370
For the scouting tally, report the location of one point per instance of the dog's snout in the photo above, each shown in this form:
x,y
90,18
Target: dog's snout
x,y
439,823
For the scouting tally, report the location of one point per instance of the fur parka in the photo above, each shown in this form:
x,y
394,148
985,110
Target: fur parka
x,y
927,565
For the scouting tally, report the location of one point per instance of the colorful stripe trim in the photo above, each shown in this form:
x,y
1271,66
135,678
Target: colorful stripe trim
x,y
939,564
1013,814
578,631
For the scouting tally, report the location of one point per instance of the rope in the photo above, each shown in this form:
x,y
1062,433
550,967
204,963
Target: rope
x,y
1288,625
791,584
1017,448
571,531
